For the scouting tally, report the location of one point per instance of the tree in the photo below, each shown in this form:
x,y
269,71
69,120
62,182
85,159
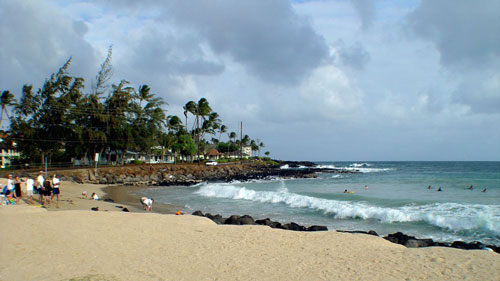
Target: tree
x,y
267,153
7,99
222,130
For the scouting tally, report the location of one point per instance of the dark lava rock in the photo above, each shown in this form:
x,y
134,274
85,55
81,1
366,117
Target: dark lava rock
x,y
370,232
317,228
494,248
232,220
95,209
108,200
125,210
293,226
218,219
467,246
399,238
198,213
265,221
417,243
246,219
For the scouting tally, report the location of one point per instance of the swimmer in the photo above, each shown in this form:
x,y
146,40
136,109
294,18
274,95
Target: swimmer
x,y
484,190
366,187
429,187
439,189
471,188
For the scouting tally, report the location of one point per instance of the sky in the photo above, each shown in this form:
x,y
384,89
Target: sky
x,y
318,80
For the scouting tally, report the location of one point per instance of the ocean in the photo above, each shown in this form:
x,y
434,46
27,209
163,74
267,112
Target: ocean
x,y
397,198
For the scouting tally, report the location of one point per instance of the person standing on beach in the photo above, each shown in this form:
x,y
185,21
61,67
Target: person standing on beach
x,y
29,189
47,186
10,186
56,185
17,189
39,184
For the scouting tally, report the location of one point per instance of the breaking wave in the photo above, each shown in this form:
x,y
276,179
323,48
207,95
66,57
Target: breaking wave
x,y
450,216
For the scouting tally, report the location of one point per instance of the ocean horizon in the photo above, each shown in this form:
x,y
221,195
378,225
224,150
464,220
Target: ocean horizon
x,y
385,196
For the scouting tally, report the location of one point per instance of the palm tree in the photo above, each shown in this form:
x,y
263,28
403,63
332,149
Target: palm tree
x,y
232,136
222,130
261,145
6,99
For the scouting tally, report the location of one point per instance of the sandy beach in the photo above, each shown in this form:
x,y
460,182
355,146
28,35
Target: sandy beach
x,y
73,243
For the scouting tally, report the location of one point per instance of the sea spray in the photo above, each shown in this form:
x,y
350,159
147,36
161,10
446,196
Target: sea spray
x,y
442,215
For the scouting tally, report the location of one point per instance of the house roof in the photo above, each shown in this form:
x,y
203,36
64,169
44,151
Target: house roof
x,y
213,152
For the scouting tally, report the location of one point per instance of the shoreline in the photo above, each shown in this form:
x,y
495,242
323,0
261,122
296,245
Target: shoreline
x,y
72,242
122,195
85,245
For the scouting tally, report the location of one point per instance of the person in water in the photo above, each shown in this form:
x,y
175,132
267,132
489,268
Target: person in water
x,y
484,190
471,188
429,187
439,189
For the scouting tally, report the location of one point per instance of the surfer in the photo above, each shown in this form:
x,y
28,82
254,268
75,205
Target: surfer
x,y
484,190
471,188
439,189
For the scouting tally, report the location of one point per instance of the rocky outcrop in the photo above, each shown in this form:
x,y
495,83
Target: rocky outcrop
x,y
248,220
182,174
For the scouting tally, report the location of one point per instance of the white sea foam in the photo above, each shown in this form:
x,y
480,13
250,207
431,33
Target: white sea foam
x,y
362,168
450,216
358,165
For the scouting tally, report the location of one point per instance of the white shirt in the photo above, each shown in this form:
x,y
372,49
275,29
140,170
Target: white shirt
x,y
29,184
40,180
10,184
56,182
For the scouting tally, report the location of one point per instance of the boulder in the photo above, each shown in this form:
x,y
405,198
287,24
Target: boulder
x,y
467,246
232,220
293,226
218,219
246,219
198,213
417,243
265,221
399,238
317,228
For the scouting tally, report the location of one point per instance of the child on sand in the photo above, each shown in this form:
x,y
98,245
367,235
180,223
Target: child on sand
x,y
147,204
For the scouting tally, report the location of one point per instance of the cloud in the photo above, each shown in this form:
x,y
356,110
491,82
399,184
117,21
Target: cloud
x,y
355,56
366,11
267,37
462,31
480,92
42,40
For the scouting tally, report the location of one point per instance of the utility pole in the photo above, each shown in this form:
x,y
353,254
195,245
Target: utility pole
x,y
241,142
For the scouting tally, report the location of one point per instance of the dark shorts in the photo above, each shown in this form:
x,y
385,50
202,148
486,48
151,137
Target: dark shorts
x,y
47,192
18,191
55,191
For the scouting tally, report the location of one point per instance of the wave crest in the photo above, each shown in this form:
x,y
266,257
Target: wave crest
x,y
443,215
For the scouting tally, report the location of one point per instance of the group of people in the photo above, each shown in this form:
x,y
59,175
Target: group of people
x,y
45,188
440,189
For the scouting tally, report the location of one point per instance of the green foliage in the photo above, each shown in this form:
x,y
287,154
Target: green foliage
x,y
59,121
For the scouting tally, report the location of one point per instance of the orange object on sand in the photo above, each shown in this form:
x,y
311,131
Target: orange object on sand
x,y
178,212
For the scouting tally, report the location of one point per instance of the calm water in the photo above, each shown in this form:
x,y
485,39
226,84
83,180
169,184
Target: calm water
x,y
397,199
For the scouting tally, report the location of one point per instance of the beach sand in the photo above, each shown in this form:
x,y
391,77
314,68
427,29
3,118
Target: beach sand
x,y
74,243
